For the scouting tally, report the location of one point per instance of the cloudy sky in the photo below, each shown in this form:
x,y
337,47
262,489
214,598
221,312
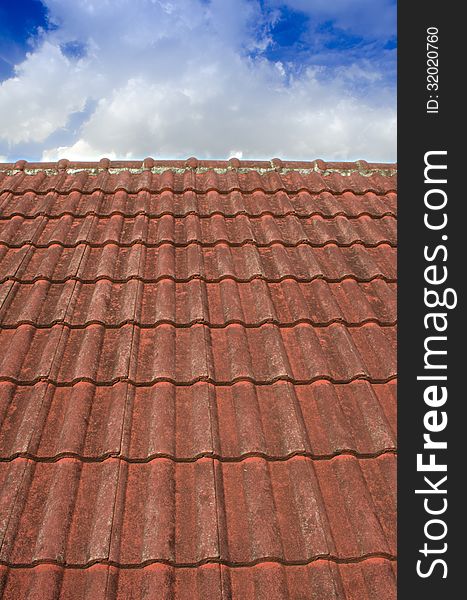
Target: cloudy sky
x,y
297,79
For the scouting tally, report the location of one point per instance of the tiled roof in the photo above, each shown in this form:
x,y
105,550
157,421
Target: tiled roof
x,y
197,380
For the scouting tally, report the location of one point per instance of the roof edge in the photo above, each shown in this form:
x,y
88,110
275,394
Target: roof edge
x,y
361,167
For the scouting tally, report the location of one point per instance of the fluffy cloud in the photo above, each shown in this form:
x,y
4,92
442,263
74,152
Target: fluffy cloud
x,y
40,98
189,77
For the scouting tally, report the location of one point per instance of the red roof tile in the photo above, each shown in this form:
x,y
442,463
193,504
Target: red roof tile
x,y
280,420
322,579
292,511
197,380
252,304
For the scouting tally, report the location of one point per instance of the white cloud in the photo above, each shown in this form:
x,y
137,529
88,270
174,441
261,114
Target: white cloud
x,y
174,79
38,100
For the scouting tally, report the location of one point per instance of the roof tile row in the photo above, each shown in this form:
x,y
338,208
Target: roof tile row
x,y
263,231
271,181
301,353
255,204
370,579
243,263
254,303
189,512
187,422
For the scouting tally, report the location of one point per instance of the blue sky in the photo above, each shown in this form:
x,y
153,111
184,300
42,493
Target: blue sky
x,y
19,20
299,79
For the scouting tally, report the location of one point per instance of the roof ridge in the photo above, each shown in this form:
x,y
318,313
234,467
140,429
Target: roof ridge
x,y
361,167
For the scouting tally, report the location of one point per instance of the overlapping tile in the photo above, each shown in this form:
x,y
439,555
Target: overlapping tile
x,y
322,580
277,421
187,513
57,263
292,181
197,383
185,355
252,304
263,231
303,204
